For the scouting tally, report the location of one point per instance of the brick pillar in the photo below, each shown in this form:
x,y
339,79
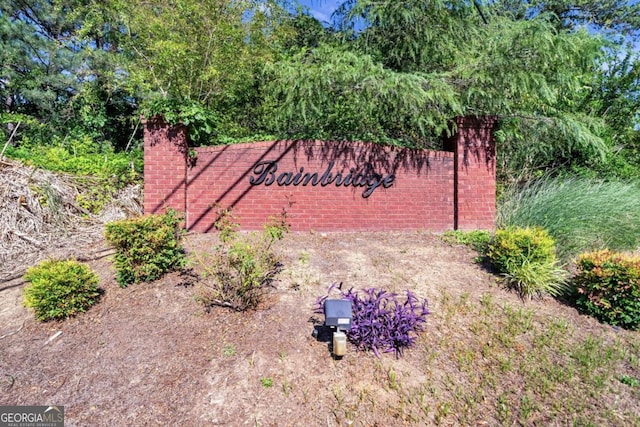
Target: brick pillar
x,y
165,166
475,174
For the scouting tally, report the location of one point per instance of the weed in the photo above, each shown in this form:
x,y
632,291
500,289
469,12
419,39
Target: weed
x,y
443,409
527,407
229,350
476,239
504,408
393,380
242,266
518,321
266,382
287,387
629,380
486,304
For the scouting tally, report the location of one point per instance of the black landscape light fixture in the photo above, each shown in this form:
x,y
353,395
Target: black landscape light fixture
x,y
338,314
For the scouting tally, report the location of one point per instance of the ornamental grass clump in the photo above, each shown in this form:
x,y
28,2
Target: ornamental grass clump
x,y
580,214
381,321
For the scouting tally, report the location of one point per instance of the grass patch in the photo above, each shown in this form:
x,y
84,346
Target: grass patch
x,y
475,239
580,214
513,366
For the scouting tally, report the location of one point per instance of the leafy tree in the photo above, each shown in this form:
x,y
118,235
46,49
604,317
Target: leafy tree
x,y
34,77
415,64
613,18
199,61
390,71
305,32
59,67
613,97
334,93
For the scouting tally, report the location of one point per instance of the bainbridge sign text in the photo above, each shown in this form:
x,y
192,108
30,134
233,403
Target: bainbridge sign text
x,y
264,173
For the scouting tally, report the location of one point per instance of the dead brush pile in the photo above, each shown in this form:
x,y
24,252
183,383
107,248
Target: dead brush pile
x,y
40,215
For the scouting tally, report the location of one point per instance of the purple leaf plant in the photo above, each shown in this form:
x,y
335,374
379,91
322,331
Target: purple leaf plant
x,y
380,321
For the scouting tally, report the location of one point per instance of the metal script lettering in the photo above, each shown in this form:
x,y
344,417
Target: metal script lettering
x,y
265,173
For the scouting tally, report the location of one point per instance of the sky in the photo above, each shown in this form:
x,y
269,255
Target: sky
x,y
321,9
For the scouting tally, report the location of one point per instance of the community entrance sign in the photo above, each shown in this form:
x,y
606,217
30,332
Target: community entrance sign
x,y
325,185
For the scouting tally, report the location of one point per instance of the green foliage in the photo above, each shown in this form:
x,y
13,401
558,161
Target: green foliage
x,y
608,287
526,257
34,52
515,245
532,75
537,278
629,380
82,157
200,121
94,199
61,65
388,71
242,266
201,60
476,239
333,93
609,17
147,247
60,289
581,214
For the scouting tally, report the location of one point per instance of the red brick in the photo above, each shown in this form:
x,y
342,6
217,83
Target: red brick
x,y
418,199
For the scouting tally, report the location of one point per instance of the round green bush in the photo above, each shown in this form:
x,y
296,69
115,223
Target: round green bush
x,y
608,287
60,288
515,245
526,257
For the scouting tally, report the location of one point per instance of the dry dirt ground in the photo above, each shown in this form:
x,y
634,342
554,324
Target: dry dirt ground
x,y
149,354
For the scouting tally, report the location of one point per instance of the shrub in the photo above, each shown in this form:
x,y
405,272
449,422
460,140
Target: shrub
x,y
146,247
526,258
580,214
608,287
60,289
515,245
380,321
240,270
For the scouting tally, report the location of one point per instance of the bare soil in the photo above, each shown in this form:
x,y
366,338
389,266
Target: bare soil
x,y
149,354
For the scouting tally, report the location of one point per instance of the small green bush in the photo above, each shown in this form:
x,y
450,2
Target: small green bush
x,y
147,247
608,287
60,289
526,257
242,266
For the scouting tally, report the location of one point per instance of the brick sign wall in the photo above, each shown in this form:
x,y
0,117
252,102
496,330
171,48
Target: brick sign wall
x,y
325,186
